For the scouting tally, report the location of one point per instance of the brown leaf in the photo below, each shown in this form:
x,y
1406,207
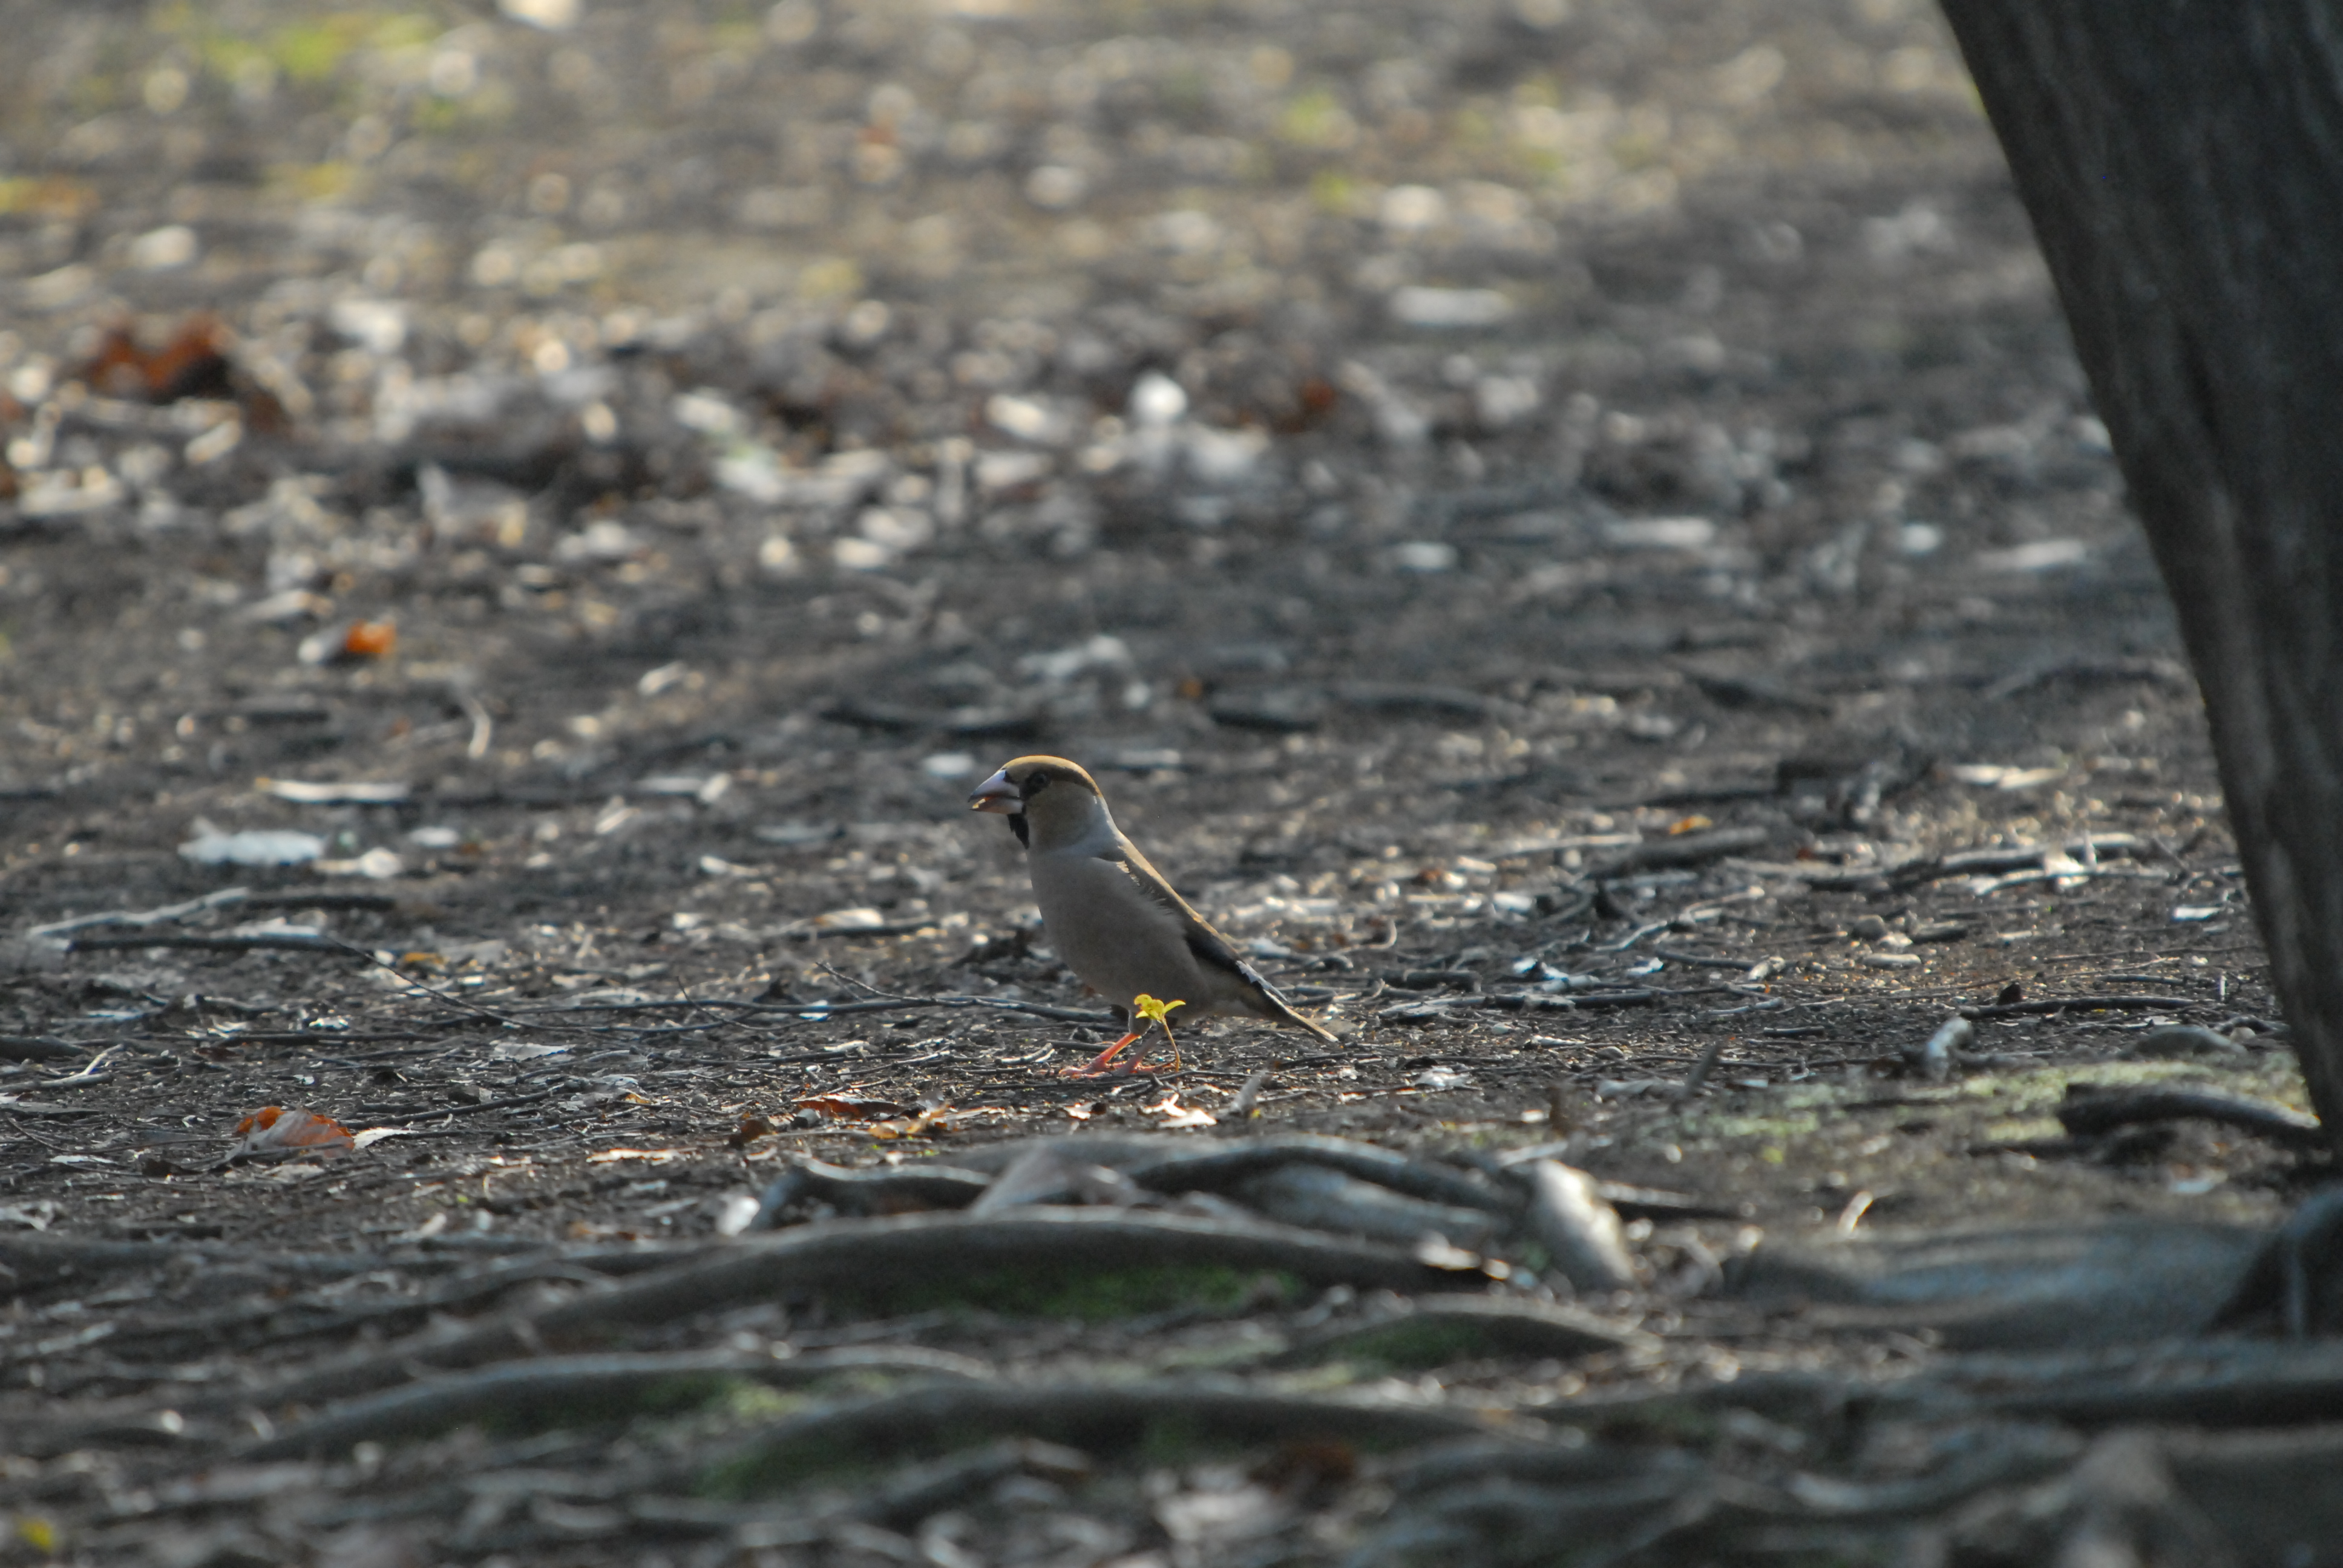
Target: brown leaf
x,y
370,639
1176,1115
852,1107
192,363
933,1122
752,1127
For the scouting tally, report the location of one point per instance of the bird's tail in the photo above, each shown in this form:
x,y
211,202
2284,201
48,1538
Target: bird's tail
x,y
1285,1014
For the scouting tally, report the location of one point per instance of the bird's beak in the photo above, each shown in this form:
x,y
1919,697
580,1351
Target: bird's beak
x,y
997,794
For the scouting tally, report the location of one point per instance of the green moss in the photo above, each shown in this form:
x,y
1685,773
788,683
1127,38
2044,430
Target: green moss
x,y
312,49
788,1462
745,1399
1416,1342
616,1407
1092,1296
1317,119
1170,1442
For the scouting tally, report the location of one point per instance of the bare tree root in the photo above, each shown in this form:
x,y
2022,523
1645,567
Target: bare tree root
x,y
1446,1330
1164,1417
2207,1383
920,1260
2086,1114
571,1391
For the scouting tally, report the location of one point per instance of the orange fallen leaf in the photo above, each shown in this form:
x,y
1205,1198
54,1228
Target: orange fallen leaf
x,y
370,639
274,1127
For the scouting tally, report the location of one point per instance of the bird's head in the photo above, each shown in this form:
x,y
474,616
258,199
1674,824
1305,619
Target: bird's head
x,y
1048,801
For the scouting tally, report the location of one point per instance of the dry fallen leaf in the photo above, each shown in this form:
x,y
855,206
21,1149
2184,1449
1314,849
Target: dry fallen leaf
x,y
274,1127
853,1106
193,363
370,639
930,1122
752,1127
1176,1115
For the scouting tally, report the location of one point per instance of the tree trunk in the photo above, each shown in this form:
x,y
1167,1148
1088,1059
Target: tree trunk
x,y
2183,164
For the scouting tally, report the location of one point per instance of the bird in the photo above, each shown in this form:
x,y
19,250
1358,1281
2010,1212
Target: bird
x,y
1113,918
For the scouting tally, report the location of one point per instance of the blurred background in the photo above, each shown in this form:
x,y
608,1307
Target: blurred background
x,y
476,395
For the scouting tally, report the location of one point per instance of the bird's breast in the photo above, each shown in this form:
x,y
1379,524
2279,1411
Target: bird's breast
x,y
1117,941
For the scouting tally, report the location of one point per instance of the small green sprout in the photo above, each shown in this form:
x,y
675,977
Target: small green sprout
x,y
1154,1012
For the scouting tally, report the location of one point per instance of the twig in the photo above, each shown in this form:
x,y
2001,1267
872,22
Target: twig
x,y
221,898
1685,850
258,941
1637,935
1700,961
1704,1067
319,899
474,1110
323,1037
2065,874
437,995
842,978
88,1074
1522,1001
2073,1003
829,1009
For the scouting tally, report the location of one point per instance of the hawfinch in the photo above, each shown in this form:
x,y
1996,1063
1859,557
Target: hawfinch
x,y
1112,917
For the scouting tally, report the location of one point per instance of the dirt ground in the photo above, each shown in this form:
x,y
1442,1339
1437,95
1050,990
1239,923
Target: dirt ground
x,y
1557,525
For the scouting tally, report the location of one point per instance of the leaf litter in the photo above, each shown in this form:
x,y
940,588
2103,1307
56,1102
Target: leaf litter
x,y
1760,671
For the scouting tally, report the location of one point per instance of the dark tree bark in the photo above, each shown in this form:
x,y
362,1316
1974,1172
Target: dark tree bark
x,y
2183,164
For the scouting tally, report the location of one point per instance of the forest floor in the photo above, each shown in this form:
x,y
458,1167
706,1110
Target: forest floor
x,y
1572,532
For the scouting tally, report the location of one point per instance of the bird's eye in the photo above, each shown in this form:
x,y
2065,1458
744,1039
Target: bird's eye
x,y
1034,785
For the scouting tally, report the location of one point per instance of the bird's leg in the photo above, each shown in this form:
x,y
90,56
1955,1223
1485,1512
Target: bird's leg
x,y
1097,1065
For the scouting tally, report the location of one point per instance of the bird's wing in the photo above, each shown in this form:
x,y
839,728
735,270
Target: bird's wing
x,y
1208,946
1211,948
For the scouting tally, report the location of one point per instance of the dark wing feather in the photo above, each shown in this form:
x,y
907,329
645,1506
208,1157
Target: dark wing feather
x,y
1208,945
